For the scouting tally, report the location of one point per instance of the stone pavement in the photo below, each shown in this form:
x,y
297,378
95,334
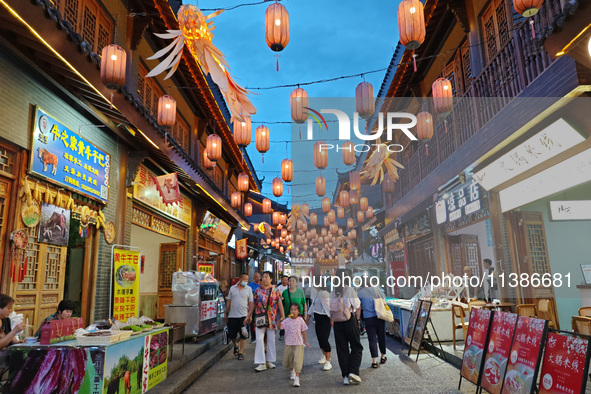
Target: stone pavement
x,y
400,374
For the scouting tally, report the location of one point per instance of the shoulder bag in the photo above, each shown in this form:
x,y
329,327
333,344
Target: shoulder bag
x,y
262,319
383,311
338,311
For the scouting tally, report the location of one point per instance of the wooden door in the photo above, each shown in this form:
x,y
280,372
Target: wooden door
x,y
464,251
422,258
171,260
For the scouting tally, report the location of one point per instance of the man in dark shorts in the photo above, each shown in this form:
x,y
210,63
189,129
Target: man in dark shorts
x,y
237,306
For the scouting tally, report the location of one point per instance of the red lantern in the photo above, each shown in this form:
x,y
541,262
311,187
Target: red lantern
x,y
388,185
277,187
276,218
320,155
411,23
242,131
334,228
340,232
213,147
353,197
364,100
305,209
331,216
442,96
527,8
344,198
287,170
348,153
262,140
208,164
243,182
236,199
354,180
363,203
299,101
350,223
424,126
313,219
352,234
323,232
326,221
276,27
360,216
325,204
369,213
113,66
167,112
283,233
248,210
266,205
320,186
340,212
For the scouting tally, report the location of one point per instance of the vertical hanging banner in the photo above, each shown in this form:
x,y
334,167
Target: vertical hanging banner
x,y
525,354
499,344
476,338
241,249
126,283
566,363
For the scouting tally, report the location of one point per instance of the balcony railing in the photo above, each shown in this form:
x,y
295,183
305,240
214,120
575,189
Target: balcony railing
x,y
505,77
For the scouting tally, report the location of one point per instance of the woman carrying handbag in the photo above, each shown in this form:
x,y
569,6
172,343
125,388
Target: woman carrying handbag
x,y
372,302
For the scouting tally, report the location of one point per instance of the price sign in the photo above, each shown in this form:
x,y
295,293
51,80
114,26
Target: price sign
x,y
205,267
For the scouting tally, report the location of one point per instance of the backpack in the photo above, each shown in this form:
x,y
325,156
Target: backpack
x,y
338,311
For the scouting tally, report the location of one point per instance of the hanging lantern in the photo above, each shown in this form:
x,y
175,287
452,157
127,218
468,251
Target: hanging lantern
x,y
348,153
167,112
266,205
424,126
323,232
277,187
363,203
320,186
354,180
364,100
525,8
305,225
287,170
243,182
352,234
299,225
208,164
283,233
388,185
325,204
340,212
313,219
256,228
277,27
326,221
283,218
276,218
411,23
281,249
331,216
350,223
320,155
340,232
360,216
213,147
353,197
299,101
334,228
236,199
369,213
242,131
262,140
113,66
442,96
344,198
248,210
305,208
273,244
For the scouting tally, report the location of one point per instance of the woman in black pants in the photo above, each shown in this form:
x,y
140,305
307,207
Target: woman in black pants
x,y
346,333
320,308
376,328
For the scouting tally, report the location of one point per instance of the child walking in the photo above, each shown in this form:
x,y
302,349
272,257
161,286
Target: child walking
x,y
295,338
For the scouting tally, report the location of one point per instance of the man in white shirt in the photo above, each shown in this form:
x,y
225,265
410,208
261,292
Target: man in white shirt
x,y
239,302
283,286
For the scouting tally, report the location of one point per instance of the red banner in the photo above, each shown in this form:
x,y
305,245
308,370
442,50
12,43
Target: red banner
x,y
168,186
524,356
475,341
499,345
564,369
241,249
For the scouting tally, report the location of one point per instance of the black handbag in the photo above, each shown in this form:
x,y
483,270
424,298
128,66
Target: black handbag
x,y
262,319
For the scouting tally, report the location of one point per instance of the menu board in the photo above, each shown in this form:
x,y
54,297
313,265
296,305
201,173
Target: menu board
x,y
126,279
524,356
566,363
208,292
215,228
474,350
499,344
422,319
412,322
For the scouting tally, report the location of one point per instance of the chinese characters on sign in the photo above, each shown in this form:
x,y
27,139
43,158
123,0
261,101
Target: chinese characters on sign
x,y
474,350
205,267
126,288
459,203
63,157
499,344
570,210
241,249
564,369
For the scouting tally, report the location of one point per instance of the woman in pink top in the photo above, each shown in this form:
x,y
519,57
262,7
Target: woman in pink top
x,y
295,338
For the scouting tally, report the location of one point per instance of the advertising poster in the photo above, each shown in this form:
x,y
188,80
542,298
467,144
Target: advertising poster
x,y
474,350
36,370
422,319
524,357
158,358
412,322
124,366
241,249
209,307
565,365
397,323
54,225
63,157
205,267
126,283
499,344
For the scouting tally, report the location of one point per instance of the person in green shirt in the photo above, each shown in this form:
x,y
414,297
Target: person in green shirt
x,y
294,295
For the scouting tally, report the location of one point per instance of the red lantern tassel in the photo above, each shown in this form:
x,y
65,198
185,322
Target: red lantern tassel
x,y
263,156
277,56
427,148
445,124
533,31
414,61
300,132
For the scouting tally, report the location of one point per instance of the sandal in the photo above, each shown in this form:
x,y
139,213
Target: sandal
x,y
235,350
240,356
383,360
374,365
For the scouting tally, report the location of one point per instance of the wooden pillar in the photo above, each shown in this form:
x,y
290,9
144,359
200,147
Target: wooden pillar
x,y
121,198
497,236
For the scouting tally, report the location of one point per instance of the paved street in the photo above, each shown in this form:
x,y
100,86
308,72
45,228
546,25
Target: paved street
x,y
399,375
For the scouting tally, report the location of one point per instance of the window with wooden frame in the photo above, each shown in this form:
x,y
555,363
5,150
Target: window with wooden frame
x,y
180,132
459,70
148,91
89,20
495,28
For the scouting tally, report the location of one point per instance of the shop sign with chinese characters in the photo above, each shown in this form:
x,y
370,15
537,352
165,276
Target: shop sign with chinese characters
x,y
205,267
126,289
555,139
475,348
566,363
460,203
241,249
570,210
499,344
63,157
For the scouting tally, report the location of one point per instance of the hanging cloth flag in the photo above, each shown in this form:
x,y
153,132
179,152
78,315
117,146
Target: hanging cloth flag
x,y
168,186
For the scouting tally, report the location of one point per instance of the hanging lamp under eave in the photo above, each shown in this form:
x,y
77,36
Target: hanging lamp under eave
x,y
267,205
348,153
113,66
208,164
276,27
369,213
236,199
320,155
248,209
325,204
213,147
243,182
167,111
340,212
242,131
262,140
287,170
354,180
299,101
411,23
365,104
363,203
320,186
313,219
344,198
527,8
442,96
350,223
277,187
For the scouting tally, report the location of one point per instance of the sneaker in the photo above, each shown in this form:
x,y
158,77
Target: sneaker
x,y
296,382
346,381
253,341
355,378
327,366
261,368
281,338
293,375
270,365
322,360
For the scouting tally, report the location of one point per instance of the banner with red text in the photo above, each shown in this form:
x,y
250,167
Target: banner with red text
x,y
566,363
474,350
499,344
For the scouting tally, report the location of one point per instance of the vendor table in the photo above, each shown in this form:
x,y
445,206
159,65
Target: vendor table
x,y
138,363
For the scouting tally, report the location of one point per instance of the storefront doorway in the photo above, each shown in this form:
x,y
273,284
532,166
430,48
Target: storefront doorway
x,y
465,251
170,260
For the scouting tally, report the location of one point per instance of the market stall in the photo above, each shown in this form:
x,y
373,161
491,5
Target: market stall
x,y
99,364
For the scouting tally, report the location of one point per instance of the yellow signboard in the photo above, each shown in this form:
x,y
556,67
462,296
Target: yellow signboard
x,y
126,287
